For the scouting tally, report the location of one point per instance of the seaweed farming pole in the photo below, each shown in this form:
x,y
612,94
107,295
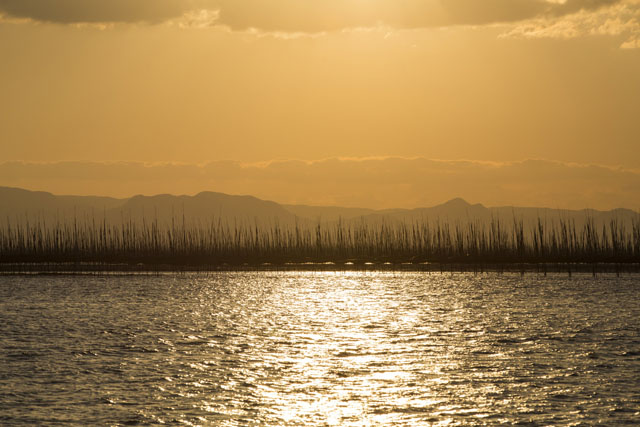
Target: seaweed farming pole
x,y
184,242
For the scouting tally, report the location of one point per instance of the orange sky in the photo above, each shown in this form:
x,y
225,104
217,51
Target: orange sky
x,y
200,81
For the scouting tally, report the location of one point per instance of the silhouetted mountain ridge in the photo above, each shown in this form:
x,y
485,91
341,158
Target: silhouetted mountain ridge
x,y
17,204
204,206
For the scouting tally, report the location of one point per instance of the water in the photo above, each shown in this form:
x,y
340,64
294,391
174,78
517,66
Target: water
x,y
300,348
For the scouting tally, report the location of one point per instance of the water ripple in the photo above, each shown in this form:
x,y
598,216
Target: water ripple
x,y
301,348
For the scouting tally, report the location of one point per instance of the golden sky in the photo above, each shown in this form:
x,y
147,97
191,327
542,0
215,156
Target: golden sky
x,y
203,81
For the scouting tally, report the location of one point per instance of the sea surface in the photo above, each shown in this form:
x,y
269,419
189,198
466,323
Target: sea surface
x,y
320,349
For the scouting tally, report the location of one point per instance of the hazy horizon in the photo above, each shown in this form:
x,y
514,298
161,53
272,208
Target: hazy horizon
x,y
373,183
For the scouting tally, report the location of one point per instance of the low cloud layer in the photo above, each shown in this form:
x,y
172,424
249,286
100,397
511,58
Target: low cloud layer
x,y
373,183
308,16
289,18
620,19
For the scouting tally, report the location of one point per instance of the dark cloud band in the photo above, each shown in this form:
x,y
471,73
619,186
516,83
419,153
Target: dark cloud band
x,y
95,11
310,16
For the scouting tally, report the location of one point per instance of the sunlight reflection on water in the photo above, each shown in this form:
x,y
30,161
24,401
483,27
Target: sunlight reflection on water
x,y
305,348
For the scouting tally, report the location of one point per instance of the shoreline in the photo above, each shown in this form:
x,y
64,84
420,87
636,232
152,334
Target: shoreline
x,y
431,267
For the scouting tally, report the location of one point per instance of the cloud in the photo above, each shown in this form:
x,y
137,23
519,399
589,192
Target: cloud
x,y
328,15
296,16
366,182
98,11
622,18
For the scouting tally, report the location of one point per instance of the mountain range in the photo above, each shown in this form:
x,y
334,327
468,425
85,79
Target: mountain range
x,y
19,204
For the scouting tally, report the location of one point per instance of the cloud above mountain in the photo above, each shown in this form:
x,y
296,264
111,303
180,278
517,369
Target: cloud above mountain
x,y
368,182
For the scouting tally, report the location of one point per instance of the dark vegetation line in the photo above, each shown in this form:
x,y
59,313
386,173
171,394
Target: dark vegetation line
x,y
231,243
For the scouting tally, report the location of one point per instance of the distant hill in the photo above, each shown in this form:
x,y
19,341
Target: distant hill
x,y
18,204
459,211
203,207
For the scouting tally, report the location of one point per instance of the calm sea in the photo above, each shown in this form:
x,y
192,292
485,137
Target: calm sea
x,y
305,348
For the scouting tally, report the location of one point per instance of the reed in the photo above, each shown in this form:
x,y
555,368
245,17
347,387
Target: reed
x,y
218,242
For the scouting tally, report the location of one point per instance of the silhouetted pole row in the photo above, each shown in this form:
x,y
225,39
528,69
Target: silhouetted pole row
x,y
237,242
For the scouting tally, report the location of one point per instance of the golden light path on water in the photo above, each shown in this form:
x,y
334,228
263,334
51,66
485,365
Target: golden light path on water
x,y
320,349
349,341
354,348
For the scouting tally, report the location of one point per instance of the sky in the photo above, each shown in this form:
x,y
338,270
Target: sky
x,y
372,98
